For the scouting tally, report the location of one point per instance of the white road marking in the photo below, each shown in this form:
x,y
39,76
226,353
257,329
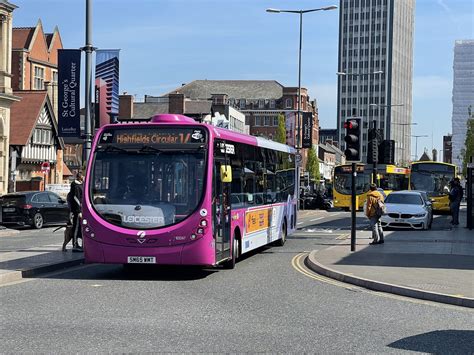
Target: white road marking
x,y
316,219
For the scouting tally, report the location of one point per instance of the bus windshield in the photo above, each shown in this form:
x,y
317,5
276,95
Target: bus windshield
x,y
432,178
395,182
343,181
144,187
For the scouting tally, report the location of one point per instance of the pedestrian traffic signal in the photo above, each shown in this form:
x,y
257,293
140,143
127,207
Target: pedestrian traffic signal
x,y
353,140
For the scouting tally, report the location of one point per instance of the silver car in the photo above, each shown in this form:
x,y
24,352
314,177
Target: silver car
x,y
407,209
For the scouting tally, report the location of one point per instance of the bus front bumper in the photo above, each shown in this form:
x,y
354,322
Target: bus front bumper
x,y
183,254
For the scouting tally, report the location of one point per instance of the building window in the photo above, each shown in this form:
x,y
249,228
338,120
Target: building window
x,y
242,103
288,103
272,103
42,136
55,76
261,103
275,121
258,121
267,121
38,83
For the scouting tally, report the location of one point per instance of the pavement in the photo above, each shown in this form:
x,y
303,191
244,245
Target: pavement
x,y
430,265
24,262
433,265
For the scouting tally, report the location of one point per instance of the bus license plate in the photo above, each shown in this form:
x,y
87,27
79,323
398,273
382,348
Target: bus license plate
x,y
141,260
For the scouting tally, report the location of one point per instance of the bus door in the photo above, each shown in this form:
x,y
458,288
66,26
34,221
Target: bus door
x,y
221,206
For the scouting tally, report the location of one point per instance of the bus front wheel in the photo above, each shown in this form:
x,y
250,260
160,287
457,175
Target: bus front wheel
x,y
230,264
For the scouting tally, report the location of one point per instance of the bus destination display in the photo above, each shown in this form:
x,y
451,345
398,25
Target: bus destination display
x,y
154,136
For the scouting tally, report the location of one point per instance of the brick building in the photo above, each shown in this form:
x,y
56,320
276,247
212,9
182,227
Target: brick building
x,y
35,79
260,100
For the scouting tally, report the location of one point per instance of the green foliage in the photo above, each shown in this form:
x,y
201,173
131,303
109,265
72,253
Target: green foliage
x,y
312,165
281,130
468,150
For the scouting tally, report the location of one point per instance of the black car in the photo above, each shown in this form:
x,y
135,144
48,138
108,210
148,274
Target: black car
x,y
315,200
34,208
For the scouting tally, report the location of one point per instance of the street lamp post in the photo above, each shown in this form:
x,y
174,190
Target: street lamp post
x,y
88,48
300,12
416,143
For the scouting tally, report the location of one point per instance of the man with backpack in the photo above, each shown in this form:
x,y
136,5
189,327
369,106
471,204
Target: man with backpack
x,y
374,211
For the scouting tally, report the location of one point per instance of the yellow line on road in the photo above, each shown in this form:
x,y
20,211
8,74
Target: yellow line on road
x,y
298,264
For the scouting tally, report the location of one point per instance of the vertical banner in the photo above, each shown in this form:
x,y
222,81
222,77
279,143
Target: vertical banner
x,y
107,86
307,130
69,78
290,119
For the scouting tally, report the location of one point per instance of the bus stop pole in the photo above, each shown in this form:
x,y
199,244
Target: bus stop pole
x,y
353,207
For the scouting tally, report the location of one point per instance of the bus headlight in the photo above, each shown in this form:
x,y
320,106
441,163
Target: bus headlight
x,y
193,236
203,223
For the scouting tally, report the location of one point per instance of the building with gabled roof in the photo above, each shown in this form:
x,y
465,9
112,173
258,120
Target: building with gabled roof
x,y
35,60
34,140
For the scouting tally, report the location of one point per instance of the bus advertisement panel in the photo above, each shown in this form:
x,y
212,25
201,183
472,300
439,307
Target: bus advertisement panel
x,y
174,191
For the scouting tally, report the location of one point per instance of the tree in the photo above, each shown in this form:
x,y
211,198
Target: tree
x,y
281,130
468,150
312,165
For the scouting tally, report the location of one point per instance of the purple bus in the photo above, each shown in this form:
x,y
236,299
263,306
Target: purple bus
x,y
177,192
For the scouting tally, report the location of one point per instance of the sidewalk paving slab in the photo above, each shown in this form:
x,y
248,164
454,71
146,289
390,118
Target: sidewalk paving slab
x,y
31,262
431,265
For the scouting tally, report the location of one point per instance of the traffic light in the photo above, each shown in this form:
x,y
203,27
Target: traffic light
x,y
387,152
373,152
353,139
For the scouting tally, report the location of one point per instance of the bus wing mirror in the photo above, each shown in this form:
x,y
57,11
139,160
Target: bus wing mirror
x,y
226,173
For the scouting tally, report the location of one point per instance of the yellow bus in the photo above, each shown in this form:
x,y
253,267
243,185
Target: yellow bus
x,y
390,178
433,177
342,183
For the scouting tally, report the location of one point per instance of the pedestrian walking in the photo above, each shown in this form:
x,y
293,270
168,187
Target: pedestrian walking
x,y
373,212
74,199
455,197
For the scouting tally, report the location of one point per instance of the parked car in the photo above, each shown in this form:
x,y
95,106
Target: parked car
x,y
315,200
408,209
34,208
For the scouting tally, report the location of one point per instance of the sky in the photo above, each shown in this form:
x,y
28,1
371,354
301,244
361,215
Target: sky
x,y
165,43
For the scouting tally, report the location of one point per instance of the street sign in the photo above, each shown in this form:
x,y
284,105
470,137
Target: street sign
x,y
298,157
45,167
